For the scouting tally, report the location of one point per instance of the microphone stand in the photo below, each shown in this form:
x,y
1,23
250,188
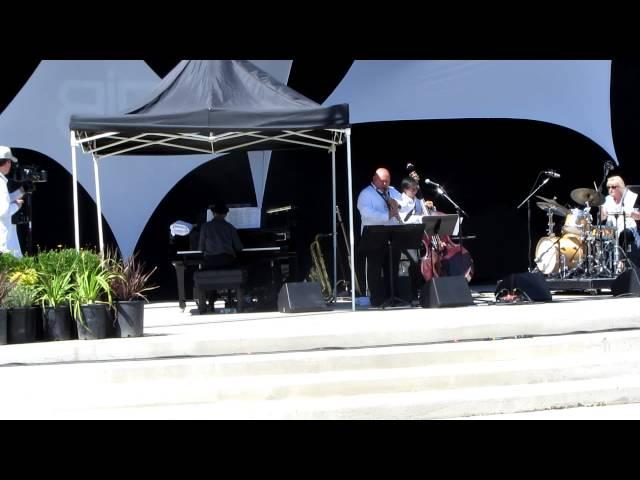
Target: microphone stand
x,y
27,203
528,202
440,189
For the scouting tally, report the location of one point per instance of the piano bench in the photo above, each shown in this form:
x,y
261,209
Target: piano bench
x,y
221,279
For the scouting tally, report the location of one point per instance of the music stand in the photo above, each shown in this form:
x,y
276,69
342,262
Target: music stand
x,y
399,236
439,225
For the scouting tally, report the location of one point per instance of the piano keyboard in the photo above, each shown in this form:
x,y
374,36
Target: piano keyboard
x,y
255,249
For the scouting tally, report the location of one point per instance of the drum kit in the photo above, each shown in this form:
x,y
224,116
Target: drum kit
x,y
584,249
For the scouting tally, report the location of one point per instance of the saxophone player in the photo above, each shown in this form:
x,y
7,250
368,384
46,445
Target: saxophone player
x,y
378,204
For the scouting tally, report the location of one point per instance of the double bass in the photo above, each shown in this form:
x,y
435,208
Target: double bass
x,y
441,253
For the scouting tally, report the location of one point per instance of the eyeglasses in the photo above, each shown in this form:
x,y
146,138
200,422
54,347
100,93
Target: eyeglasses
x,y
612,186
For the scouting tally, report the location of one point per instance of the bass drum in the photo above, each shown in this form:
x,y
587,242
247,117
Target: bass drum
x,y
550,250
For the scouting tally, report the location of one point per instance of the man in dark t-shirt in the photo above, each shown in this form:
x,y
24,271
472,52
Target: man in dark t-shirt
x,y
219,240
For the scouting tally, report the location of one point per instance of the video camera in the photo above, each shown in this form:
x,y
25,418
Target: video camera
x,y
27,175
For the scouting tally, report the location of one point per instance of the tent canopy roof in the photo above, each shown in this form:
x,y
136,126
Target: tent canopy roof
x,y
211,106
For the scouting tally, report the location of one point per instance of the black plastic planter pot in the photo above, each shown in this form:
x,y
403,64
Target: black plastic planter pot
x,y
22,324
3,326
129,320
58,323
97,322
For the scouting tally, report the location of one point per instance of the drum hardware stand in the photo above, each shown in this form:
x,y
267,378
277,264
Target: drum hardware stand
x,y
528,202
586,234
556,243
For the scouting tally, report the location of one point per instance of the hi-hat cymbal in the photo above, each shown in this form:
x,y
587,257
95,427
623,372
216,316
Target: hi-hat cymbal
x,y
553,208
587,195
564,210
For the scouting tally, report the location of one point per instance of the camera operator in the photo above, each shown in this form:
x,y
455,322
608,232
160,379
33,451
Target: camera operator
x,y
9,204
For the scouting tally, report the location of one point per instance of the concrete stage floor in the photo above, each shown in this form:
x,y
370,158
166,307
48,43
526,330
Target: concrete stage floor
x,y
170,332
484,359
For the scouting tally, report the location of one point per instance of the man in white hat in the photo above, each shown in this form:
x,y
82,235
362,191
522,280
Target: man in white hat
x,y
9,204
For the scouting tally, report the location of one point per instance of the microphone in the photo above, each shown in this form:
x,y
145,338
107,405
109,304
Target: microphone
x,y
609,165
551,173
427,181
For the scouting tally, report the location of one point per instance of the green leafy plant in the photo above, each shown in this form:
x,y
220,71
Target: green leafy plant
x,y
130,280
21,296
90,280
8,262
26,262
55,282
55,289
58,261
27,276
5,286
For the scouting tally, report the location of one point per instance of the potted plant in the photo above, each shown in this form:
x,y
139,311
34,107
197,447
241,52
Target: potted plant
x,y
5,287
55,285
23,316
91,297
128,284
54,294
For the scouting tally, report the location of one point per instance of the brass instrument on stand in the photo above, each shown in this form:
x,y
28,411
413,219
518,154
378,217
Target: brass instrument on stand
x,y
318,272
346,244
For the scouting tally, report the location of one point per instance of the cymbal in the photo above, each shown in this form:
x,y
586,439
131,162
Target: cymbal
x,y
553,204
561,212
587,195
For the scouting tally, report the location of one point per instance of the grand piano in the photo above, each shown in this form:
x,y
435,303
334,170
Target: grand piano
x,y
267,255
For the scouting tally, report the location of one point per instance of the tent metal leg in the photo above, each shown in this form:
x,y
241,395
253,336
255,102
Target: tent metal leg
x,y
351,240
335,237
96,174
74,171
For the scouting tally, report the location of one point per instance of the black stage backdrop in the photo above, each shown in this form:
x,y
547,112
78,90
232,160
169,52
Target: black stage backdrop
x,y
487,166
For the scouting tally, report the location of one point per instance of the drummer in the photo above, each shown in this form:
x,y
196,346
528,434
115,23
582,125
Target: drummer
x,y
619,200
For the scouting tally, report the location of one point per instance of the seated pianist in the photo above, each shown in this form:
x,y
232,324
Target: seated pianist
x,y
219,240
265,254
220,244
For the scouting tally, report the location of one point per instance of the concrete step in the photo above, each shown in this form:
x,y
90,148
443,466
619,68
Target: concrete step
x,y
405,406
320,361
124,384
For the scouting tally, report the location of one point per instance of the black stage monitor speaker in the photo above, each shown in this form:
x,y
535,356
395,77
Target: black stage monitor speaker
x,y
446,292
532,284
301,297
627,283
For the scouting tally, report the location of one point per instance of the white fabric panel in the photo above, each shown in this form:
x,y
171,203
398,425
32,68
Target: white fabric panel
x,y
259,162
131,186
570,93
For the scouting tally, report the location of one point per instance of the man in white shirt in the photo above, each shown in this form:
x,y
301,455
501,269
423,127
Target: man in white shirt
x,y
412,209
620,211
9,204
378,204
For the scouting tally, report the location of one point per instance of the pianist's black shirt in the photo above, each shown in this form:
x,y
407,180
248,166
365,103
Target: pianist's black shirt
x,y
219,237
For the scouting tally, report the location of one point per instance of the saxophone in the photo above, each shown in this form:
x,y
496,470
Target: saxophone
x,y
318,272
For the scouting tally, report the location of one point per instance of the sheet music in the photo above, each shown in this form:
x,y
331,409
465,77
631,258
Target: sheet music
x,y
244,217
457,227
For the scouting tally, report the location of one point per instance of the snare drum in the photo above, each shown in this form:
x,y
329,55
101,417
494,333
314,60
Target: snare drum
x,y
603,232
576,222
550,250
